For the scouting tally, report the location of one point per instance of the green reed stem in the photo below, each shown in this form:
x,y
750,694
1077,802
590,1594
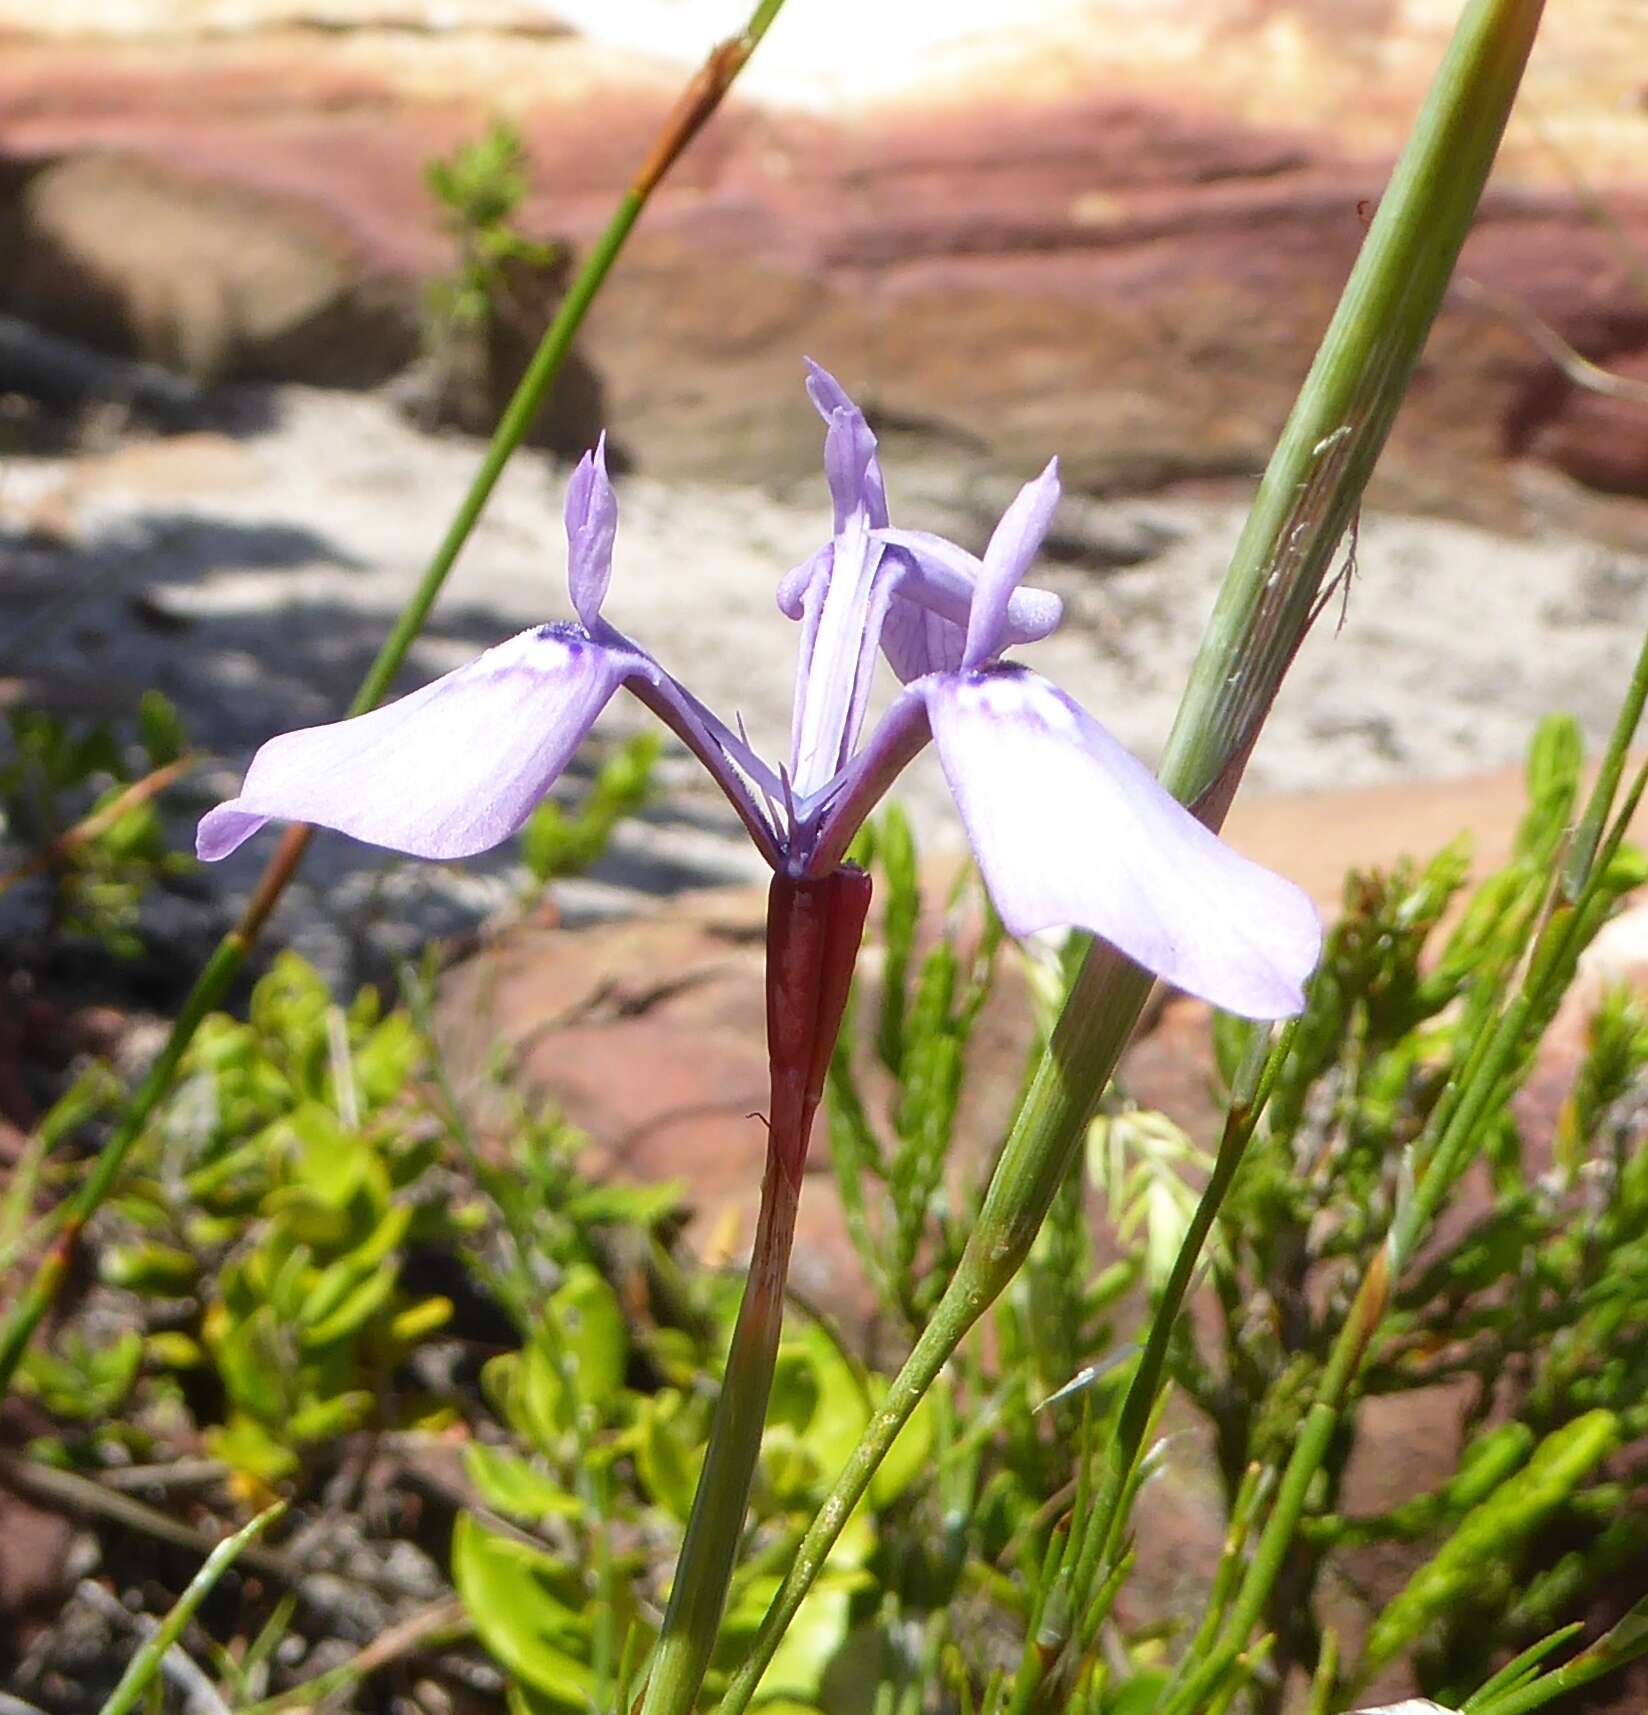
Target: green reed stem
x,y
1622,1643
145,1666
699,100
1307,498
1251,1093
1489,1063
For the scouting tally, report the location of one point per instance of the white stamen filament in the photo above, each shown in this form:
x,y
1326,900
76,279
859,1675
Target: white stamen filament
x,y
828,699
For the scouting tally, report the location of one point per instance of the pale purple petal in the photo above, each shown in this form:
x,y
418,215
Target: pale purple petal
x,y
940,579
918,641
794,585
838,655
808,595
1070,829
843,604
850,463
849,460
1014,544
591,527
451,770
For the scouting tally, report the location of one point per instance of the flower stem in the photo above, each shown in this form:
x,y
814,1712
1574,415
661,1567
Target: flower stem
x,y
813,932
710,1547
1255,1080
699,100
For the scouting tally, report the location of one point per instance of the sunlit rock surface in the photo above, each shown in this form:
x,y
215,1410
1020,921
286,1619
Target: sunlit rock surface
x,y
1101,226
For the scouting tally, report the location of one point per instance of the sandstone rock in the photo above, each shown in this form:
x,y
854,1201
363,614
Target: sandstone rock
x,y
649,1033
650,1036
1076,229
181,270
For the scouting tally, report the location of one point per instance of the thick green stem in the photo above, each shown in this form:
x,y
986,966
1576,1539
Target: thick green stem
x,y
701,97
1308,495
814,928
710,1548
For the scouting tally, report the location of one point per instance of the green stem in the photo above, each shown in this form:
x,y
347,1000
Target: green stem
x,y
43,1287
1582,848
1104,1003
1623,1643
1253,1086
814,928
710,1546
1308,495
146,1664
699,100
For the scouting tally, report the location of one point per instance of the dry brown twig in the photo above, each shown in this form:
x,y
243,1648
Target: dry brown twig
x,y
99,821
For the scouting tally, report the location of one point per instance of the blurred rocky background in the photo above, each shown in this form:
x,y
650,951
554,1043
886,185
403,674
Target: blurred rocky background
x,y
267,267
1103,226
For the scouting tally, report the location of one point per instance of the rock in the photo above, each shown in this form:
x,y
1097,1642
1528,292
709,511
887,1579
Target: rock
x,y
1601,439
649,1033
1057,230
64,375
650,1036
209,278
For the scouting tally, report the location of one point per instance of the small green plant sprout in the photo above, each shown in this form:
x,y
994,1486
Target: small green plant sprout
x,y
259,1238
78,807
475,315
480,186
557,843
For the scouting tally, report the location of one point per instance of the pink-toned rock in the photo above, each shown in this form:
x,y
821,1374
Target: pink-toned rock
x,y
1084,231
1314,838
650,1034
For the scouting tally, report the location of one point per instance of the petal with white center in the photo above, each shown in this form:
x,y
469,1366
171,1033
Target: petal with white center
x,y
1070,829
450,770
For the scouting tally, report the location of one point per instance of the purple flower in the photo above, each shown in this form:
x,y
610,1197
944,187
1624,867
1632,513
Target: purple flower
x,y
1068,828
